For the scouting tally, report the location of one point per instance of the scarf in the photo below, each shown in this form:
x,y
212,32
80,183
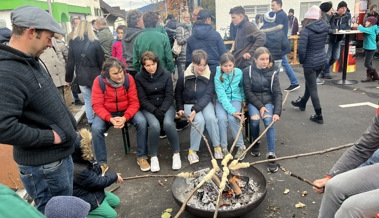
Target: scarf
x,y
114,84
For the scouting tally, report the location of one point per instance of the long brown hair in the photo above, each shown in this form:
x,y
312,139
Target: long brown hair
x,y
223,59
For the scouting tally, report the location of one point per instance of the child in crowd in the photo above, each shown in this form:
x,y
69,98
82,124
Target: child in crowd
x,y
230,100
264,98
156,95
89,185
193,94
117,45
369,44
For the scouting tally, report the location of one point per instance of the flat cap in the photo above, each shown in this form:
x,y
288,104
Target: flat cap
x,y
34,17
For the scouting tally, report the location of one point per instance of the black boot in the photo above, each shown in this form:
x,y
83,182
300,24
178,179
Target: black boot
x,y
368,76
317,117
374,75
299,103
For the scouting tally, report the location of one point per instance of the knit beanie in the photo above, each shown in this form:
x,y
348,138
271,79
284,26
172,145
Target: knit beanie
x,y
291,11
341,4
269,17
326,6
313,13
372,20
66,207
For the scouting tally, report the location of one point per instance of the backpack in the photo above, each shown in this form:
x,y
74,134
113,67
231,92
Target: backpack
x,y
102,83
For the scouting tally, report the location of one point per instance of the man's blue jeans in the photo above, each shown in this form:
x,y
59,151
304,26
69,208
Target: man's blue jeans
x,y
99,127
49,180
332,55
267,119
289,71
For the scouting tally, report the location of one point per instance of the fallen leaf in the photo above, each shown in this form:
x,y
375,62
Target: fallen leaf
x,y
286,191
300,205
160,183
166,213
304,193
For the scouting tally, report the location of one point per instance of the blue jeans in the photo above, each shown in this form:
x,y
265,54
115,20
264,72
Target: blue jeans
x,y
49,180
99,127
168,127
225,120
332,55
372,160
254,125
205,118
87,96
289,71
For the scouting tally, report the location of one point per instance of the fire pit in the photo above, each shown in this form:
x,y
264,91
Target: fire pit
x,y
202,203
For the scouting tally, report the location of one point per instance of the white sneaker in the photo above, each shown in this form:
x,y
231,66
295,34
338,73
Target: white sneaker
x,y
154,164
176,162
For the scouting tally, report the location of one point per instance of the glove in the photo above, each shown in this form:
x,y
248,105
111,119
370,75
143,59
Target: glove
x,y
159,115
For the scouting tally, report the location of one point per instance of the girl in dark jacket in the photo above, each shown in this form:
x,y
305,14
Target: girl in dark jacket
x,y
193,94
85,58
156,95
264,98
313,58
89,185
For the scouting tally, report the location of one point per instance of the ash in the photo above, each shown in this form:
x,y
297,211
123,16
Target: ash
x,y
206,196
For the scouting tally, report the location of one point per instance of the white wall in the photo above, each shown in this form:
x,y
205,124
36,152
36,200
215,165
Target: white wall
x,y
223,7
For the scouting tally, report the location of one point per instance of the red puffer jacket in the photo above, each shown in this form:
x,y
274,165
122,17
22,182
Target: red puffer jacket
x,y
115,100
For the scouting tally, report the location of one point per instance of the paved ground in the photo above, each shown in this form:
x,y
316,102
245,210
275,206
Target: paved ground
x,y
295,134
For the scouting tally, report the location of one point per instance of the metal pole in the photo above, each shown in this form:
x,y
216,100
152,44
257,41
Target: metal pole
x,y
50,8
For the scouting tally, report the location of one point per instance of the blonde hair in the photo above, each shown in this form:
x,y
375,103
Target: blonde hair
x,y
85,29
184,14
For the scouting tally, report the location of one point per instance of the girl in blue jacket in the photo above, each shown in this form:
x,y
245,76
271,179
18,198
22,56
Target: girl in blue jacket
x,y
369,44
230,100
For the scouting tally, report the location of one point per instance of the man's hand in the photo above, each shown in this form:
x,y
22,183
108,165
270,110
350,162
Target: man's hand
x,y
118,122
246,55
320,183
180,112
159,114
57,138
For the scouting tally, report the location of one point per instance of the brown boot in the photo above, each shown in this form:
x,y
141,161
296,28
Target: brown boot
x,y
374,75
368,77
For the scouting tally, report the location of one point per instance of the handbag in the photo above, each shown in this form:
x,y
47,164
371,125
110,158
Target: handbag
x,y
176,48
75,86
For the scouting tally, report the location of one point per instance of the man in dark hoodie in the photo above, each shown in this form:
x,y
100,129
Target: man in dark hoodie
x,y
248,38
35,119
5,33
205,38
281,18
339,21
133,29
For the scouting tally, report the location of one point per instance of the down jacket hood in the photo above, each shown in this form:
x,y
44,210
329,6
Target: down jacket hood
x,y
130,33
201,30
318,26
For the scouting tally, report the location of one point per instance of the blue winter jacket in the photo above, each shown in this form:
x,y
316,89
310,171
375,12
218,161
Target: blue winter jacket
x,y
205,38
369,36
276,41
229,90
311,48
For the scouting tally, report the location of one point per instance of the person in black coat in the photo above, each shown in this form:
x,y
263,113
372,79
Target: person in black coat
x,y
89,184
276,40
156,95
313,58
85,58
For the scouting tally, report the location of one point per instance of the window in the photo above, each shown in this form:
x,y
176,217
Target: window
x,y
304,6
252,10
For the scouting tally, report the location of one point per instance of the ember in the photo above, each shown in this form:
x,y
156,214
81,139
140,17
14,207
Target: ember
x,y
251,184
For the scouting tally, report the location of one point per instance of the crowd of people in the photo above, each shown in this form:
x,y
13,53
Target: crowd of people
x,y
132,80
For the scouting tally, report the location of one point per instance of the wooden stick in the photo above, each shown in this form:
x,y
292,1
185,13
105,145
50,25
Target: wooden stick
x,y
296,176
148,176
114,189
239,130
304,154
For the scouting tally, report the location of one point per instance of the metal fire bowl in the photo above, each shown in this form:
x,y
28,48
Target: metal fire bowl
x,y
179,184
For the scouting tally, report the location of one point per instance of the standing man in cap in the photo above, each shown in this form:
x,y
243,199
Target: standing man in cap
x,y
293,23
339,21
248,38
281,18
36,121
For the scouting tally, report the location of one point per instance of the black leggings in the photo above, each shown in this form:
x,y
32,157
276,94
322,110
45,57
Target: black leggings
x,y
311,75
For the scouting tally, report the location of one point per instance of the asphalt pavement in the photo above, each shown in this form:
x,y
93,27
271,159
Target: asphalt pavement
x,y
347,111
